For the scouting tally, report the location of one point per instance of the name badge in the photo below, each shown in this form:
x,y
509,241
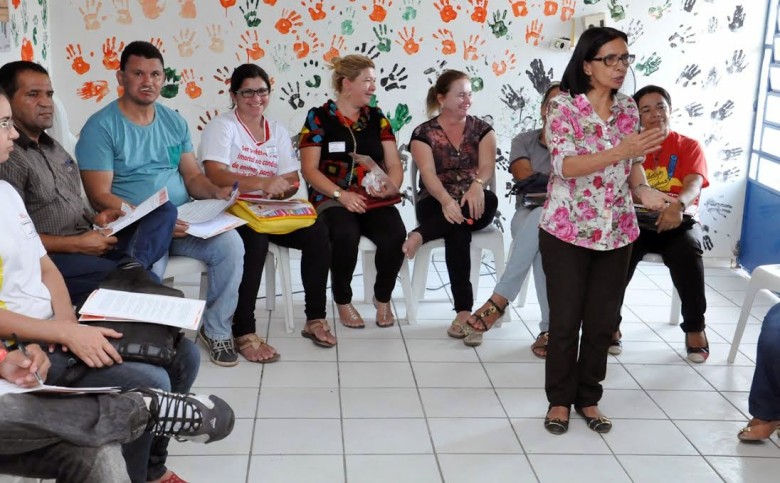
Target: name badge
x,y
28,228
337,146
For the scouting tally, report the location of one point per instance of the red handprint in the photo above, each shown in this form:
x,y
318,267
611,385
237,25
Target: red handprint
x,y
508,62
519,7
533,32
315,9
111,53
157,42
226,4
270,2
27,52
470,47
336,44
288,21
446,12
567,10
79,65
302,47
223,77
251,44
379,12
97,89
205,118
480,10
16,3
550,8
192,88
411,46
447,42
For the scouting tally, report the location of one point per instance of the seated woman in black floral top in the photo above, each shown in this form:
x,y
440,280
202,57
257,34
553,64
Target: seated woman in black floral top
x,y
456,156
329,134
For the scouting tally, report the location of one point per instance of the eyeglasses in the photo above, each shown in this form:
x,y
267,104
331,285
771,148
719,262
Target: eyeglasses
x,y
613,59
250,93
7,124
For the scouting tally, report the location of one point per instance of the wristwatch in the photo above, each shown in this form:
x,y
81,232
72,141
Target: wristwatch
x,y
336,194
682,205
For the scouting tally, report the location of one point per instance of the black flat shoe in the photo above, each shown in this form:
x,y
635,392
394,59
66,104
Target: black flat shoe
x,y
601,424
556,426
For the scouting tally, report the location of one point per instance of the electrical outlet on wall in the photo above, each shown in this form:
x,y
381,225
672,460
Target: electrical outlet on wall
x,y
594,20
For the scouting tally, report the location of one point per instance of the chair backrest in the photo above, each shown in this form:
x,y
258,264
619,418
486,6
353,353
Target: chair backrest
x,y
414,172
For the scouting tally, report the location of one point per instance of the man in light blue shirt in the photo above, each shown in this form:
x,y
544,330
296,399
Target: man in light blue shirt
x,y
132,148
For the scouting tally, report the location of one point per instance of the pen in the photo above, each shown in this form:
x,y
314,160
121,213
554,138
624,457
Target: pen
x,y
23,350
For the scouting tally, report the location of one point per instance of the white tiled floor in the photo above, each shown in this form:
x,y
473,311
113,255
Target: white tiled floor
x,y
409,404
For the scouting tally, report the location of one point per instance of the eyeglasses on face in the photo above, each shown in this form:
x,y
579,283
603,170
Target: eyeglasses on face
x,y
7,124
249,93
612,59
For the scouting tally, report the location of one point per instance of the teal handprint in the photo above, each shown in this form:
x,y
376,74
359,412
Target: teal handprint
x,y
498,25
658,12
346,25
44,12
616,11
401,118
382,32
477,84
650,65
410,10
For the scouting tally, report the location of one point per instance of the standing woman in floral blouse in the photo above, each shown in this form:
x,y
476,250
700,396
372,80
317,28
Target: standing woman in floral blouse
x,y
588,222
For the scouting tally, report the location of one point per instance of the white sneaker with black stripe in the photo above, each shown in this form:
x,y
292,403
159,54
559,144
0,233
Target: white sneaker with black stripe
x,y
188,417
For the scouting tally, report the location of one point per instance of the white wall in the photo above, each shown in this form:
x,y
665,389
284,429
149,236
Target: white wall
x,y
29,26
202,42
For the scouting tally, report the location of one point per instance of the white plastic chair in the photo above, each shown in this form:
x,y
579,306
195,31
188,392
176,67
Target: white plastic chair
x,y
489,238
674,312
764,277
278,259
368,254
178,266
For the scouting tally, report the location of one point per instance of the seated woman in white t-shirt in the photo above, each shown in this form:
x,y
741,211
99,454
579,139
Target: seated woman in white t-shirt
x,y
244,146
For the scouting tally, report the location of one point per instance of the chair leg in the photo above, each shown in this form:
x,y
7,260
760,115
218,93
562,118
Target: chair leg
x,y
406,286
744,314
287,295
270,281
674,316
369,275
476,265
420,273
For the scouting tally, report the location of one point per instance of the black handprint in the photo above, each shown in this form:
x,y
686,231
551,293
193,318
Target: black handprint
x,y
712,25
682,37
713,77
688,73
512,98
395,79
706,239
727,154
694,109
738,62
434,72
369,51
635,30
728,174
722,112
250,13
736,22
501,160
294,99
688,5
715,208
538,77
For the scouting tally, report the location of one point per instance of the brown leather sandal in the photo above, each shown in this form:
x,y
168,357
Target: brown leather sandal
x,y
250,345
539,347
308,332
484,319
455,329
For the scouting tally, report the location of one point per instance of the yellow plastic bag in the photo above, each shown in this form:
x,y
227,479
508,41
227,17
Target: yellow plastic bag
x,y
275,217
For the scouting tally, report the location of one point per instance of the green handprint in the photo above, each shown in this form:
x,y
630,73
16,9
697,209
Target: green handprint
x,y
44,51
15,32
171,89
346,25
498,26
250,14
658,12
381,33
410,12
35,33
401,118
373,101
44,12
649,66
25,18
314,83
477,84
616,11
591,2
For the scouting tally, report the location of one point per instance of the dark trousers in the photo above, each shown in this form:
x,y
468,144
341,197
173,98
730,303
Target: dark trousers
x,y
384,227
457,242
584,288
145,242
764,400
315,263
681,250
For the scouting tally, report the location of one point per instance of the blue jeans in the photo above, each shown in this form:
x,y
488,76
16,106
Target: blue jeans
x,y
145,241
525,253
145,457
224,256
71,438
764,400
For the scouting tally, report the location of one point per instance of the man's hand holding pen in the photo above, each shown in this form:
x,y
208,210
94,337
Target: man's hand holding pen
x,y
25,371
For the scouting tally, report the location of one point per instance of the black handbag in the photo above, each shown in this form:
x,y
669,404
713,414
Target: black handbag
x,y
143,341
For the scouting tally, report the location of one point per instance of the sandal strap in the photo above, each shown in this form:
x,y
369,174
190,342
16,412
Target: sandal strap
x,y
313,324
541,340
487,312
252,340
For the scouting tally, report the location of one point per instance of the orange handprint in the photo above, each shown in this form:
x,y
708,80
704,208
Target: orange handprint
x,y
226,4
16,3
223,77
270,2
251,44
480,10
315,9
188,9
550,8
336,44
446,12
91,14
533,32
379,12
302,47
192,88
123,12
27,49
567,11
289,20
411,46
151,8
184,41
157,42
508,62
519,7
447,42
111,53
79,66
97,89
470,47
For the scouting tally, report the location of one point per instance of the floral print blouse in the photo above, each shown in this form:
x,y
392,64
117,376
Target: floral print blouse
x,y
593,211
